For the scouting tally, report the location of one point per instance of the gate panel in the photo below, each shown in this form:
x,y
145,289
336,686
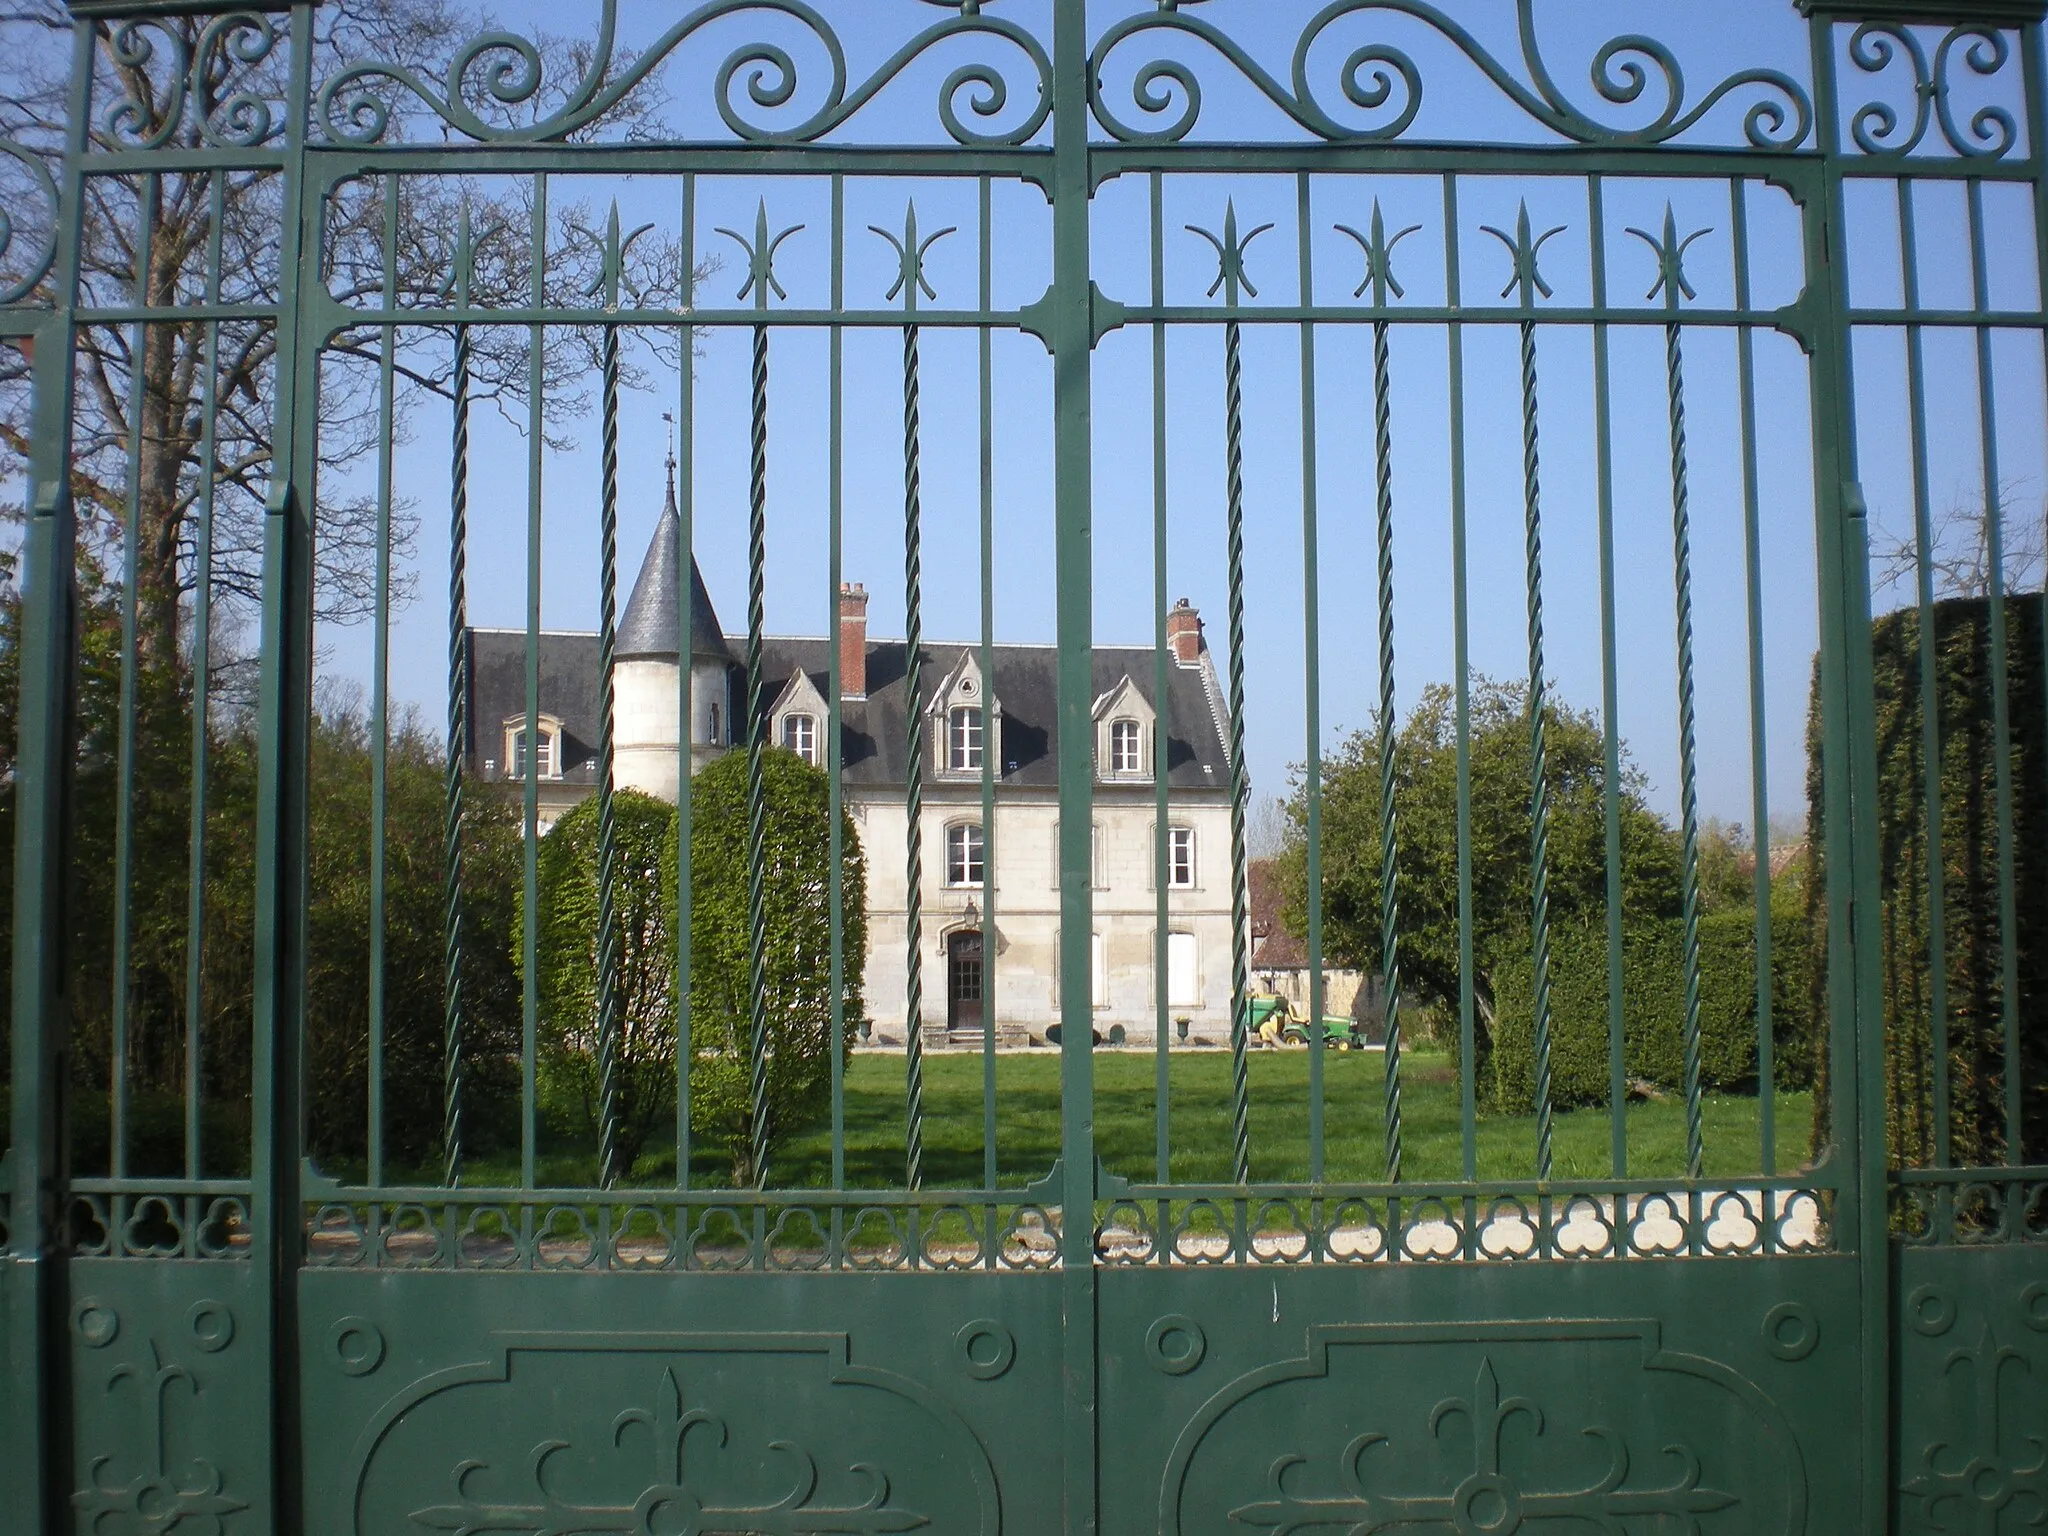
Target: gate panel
x,y
1370,1398
843,1402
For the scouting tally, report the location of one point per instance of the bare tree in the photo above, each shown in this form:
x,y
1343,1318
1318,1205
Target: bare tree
x,y
1959,545
148,395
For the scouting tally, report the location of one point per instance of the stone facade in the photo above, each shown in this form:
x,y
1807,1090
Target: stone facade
x,y
1012,961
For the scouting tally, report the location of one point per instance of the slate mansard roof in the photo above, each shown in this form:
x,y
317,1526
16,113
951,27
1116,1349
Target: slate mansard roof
x,y
875,729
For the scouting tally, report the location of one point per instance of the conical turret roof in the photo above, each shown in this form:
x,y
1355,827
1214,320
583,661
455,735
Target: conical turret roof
x,y
648,631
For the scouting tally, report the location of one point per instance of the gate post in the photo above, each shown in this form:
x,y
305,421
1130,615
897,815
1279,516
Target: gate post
x,y
1073,342
284,703
1855,1035
1856,1009
37,1422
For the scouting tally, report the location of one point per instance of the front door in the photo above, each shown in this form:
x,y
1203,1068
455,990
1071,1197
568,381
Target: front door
x,y
963,980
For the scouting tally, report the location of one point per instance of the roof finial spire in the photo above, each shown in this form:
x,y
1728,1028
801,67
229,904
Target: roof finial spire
x,y
670,418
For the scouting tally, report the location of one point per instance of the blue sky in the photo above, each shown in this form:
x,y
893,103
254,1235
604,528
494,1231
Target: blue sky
x,y
1459,103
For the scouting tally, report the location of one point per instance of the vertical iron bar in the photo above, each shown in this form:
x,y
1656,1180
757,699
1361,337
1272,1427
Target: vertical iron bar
x,y
1688,764
2001,701
913,805
536,408
282,900
1760,788
1240,924
1390,835
458,720
1610,691
683,456
1311,618
380,678
757,740
202,668
609,1001
992,761
1855,980
124,798
1539,797
1073,342
35,1318
1162,942
1461,624
835,688
1930,683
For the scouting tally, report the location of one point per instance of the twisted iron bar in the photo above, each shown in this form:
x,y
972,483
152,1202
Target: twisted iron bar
x,y
1688,766
1539,792
458,735
913,849
1390,891
757,804
351,107
609,1009
1782,120
1240,917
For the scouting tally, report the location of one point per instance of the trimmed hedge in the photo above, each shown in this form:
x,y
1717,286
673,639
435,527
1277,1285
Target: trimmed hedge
x,y
1973,941
1653,1008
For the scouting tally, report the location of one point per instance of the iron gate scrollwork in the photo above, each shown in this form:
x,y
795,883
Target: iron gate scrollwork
x,y
1668,364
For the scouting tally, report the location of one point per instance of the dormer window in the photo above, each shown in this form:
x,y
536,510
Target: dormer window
x,y
547,755
963,740
800,735
1124,748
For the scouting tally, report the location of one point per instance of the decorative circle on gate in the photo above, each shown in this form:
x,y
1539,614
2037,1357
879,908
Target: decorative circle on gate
x,y
1931,1311
96,1322
1791,1331
1175,1344
358,1345
212,1325
2034,1307
987,1348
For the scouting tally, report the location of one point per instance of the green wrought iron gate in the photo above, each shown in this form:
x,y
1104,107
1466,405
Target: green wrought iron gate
x,y
1233,207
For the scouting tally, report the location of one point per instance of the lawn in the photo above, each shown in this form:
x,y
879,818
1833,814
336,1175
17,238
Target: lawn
x,y
1199,1105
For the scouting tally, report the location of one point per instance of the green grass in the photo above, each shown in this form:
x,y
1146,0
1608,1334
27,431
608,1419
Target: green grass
x,y
1199,1105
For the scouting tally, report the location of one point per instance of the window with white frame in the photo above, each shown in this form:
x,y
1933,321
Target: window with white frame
x,y
800,735
548,755
963,740
1126,753
1180,858
965,860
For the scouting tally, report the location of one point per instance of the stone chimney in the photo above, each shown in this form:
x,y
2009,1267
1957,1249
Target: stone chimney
x,y
853,641
1184,633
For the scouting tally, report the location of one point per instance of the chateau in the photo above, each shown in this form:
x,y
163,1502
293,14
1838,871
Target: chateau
x,y
969,964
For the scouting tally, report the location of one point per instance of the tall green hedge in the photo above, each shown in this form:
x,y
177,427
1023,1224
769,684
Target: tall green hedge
x,y
1653,1008
1973,946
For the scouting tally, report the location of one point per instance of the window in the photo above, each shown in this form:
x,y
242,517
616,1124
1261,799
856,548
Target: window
x,y
546,766
1100,970
1124,754
964,858
1183,982
712,735
1180,857
963,741
800,735
1095,872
